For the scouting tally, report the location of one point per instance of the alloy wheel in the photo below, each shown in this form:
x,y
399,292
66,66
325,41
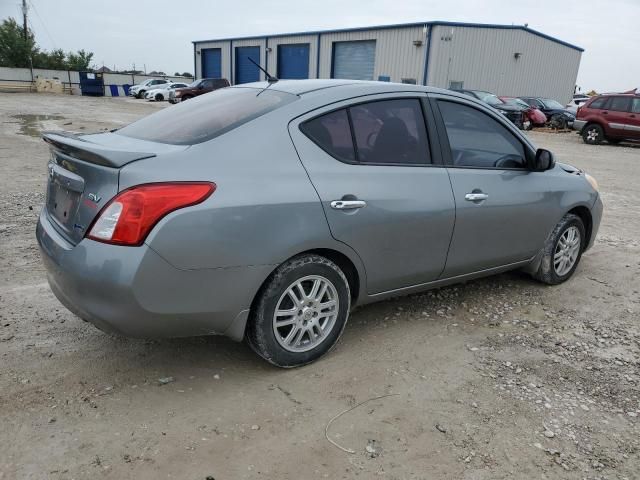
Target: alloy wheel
x,y
567,251
306,313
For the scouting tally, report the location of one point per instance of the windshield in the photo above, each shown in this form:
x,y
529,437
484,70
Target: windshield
x,y
552,104
489,98
517,102
206,116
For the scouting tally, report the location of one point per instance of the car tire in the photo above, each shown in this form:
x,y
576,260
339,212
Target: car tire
x,y
159,97
290,333
141,94
592,134
566,242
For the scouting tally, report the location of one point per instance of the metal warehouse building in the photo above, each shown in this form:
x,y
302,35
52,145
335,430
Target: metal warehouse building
x,y
509,60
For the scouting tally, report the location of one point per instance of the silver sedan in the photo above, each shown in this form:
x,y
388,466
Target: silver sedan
x,y
266,212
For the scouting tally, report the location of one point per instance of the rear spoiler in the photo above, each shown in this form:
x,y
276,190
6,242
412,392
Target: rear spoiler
x,y
76,147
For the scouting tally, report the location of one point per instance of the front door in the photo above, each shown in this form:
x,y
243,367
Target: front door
x,y
504,212
633,124
382,192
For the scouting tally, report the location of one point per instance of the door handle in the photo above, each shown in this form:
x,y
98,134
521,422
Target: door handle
x,y
476,197
348,204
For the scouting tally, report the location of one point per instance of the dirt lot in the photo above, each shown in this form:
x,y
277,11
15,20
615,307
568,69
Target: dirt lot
x,y
501,378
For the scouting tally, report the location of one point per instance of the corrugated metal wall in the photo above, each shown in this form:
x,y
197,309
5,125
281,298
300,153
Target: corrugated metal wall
x,y
481,57
484,59
396,56
312,40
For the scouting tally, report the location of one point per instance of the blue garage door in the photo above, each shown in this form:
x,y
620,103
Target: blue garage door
x,y
245,70
211,64
293,61
354,60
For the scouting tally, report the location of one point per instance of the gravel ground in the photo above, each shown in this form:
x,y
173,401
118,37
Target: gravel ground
x,y
500,378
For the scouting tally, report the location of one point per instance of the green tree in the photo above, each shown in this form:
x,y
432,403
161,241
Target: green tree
x,y
54,60
187,74
15,50
79,61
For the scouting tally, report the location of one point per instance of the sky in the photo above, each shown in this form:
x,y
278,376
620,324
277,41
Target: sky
x,y
158,33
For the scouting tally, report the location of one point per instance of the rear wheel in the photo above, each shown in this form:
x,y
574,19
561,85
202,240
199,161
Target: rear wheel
x,y
141,94
159,97
300,313
593,134
562,251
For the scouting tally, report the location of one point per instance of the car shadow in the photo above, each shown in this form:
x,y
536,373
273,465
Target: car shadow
x,y
184,357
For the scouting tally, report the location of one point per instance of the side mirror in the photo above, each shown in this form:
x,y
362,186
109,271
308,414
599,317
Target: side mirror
x,y
543,161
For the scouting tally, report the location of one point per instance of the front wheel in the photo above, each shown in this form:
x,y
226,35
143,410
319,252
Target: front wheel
x,y
562,251
159,97
300,313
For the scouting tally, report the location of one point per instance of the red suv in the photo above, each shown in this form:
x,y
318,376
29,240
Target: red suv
x,y
613,117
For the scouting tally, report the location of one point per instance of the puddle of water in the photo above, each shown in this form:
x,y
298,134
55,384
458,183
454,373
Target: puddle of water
x,y
31,124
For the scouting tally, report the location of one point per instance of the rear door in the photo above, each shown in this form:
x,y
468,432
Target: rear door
x,y
382,186
616,115
503,212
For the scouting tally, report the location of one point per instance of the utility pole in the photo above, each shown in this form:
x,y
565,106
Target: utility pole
x,y
24,18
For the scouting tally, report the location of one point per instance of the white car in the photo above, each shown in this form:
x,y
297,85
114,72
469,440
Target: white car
x,y
140,90
161,92
577,101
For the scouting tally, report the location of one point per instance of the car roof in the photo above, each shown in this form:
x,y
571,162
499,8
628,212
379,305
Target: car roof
x,y
302,87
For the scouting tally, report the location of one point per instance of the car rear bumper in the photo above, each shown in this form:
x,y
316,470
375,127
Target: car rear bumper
x,y
578,125
135,292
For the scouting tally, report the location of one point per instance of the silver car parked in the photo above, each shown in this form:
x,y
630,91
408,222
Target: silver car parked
x,y
266,212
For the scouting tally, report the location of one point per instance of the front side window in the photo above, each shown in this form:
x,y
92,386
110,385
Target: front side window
x,y
598,103
620,104
387,132
479,141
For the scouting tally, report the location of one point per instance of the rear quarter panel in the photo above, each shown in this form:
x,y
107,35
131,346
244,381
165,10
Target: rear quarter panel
x,y
264,209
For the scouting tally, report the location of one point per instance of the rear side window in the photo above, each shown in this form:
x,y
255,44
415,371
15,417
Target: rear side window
x,y
391,131
598,103
206,116
332,133
479,141
635,106
387,132
620,104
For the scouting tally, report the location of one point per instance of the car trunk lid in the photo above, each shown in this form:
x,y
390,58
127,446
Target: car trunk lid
x,y
83,176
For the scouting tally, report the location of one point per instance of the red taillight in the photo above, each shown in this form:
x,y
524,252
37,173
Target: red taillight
x,y
129,216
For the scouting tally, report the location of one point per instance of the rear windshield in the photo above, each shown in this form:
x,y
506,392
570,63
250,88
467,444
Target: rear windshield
x,y
206,116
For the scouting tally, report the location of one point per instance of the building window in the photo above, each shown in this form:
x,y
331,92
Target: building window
x,y
456,85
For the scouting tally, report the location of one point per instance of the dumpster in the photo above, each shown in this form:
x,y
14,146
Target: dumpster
x,y
92,84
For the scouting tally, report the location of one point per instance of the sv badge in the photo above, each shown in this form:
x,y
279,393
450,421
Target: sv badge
x,y
94,197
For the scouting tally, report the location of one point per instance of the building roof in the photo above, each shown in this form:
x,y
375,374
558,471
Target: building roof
x,y
404,25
